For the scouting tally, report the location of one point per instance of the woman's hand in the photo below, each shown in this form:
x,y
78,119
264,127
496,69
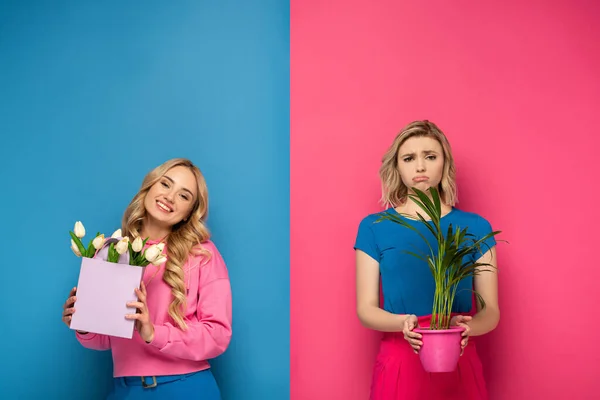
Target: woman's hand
x,y
413,338
68,309
142,317
461,320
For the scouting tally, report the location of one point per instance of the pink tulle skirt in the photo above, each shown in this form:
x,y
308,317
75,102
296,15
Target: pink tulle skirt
x,y
398,374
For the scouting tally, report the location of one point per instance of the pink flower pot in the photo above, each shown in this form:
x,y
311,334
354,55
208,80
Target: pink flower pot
x,y
441,348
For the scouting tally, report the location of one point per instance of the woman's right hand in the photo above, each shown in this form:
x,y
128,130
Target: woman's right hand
x,y
413,338
68,309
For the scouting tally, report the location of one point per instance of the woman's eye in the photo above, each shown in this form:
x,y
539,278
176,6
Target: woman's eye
x,y
431,158
165,184
407,159
183,196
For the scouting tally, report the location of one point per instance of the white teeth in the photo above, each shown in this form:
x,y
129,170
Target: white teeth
x,y
164,207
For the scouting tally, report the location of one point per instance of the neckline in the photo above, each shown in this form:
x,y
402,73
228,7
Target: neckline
x,y
416,219
156,241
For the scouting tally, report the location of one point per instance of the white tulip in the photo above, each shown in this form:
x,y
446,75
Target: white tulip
x,y
122,245
79,229
137,244
161,246
159,260
98,242
75,248
117,234
152,253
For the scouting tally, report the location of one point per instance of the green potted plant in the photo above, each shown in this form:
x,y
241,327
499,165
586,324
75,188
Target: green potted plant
x,y
449,262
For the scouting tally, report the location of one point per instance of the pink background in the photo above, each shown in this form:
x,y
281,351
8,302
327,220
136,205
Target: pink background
x,y
515,87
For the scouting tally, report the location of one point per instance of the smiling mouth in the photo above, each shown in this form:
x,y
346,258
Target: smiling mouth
x,y
163,207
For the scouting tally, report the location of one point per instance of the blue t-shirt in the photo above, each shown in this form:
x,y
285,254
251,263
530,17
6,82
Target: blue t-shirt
x,y
407,283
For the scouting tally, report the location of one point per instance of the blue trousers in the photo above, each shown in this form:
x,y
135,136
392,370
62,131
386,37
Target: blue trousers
x,y
198,385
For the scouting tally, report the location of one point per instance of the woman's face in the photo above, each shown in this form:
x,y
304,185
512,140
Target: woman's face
x,y
421,162
171,199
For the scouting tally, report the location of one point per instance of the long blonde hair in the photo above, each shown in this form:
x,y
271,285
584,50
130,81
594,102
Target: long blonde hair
x,y
394,191
185,237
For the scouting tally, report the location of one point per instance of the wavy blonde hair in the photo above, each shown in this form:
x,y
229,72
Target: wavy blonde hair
x,y
394,191
185,237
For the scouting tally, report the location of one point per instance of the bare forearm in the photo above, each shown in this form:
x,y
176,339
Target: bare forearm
x,y
484,321
380,320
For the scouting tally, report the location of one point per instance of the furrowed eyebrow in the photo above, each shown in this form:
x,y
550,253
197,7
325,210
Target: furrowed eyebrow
x,y
426,152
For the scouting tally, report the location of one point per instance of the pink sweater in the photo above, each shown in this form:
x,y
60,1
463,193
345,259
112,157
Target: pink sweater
x,y
174,351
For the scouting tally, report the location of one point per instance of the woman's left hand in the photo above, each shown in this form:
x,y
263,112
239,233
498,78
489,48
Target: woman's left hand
x,y
461,320
142,317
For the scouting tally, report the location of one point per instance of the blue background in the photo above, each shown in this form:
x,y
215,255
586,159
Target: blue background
x,y
93,95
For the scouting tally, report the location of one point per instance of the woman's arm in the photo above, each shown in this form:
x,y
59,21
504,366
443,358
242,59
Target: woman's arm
x,y
209,335
367,297
93,341
206,338
486,284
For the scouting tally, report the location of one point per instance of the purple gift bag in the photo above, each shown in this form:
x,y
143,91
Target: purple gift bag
x,y
103,290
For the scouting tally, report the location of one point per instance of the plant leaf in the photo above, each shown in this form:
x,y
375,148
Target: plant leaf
x,y
432,229
113,256
91,249
420,257
436,200
387,215
78,243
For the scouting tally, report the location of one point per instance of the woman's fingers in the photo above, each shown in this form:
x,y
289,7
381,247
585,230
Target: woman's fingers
x,y
414,334
413,339
70,301
67,315
140,318
415,342
141,295
137,304
71,298
409,333
68,311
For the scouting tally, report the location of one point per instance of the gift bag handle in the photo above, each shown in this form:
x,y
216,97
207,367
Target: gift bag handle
x,y
102,254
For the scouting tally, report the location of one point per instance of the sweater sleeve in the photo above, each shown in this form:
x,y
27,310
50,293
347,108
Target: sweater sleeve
x,y
93,341
209,335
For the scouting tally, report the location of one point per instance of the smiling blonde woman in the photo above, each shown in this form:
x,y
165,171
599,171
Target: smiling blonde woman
x,y
184,308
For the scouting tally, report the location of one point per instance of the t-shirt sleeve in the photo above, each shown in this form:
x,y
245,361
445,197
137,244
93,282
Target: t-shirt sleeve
x,y
365,239
479,229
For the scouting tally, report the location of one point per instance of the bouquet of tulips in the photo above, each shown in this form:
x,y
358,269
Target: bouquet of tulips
x,y
118,246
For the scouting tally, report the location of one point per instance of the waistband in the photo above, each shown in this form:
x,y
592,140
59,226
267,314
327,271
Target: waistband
x,y
153,381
